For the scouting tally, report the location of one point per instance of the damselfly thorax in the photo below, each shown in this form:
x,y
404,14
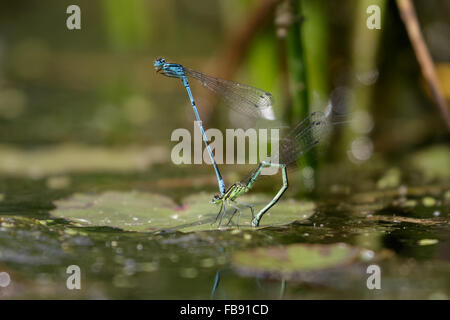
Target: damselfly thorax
x,y
233,192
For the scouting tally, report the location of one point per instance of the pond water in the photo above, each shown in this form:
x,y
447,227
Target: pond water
x,y
403,231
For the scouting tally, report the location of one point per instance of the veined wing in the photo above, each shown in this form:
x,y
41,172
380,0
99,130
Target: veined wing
x,y
307,134
245,99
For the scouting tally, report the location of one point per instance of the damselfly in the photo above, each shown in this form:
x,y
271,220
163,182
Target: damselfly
x,y
305,135
245,99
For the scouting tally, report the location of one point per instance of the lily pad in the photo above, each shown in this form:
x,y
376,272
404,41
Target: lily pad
x,y
138,211
297,261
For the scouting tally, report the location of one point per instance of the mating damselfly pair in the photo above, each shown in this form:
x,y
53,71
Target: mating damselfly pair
x,y
255,103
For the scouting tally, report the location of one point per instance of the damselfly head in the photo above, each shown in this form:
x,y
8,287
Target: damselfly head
x,y
159,64
216,199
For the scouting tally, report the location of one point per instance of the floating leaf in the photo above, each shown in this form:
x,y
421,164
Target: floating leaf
x,y
296,260
137,211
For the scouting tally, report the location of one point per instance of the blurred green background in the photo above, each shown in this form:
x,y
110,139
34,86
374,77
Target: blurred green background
x,y
96,85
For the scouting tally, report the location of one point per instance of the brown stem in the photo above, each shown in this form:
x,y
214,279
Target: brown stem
x,y
409,18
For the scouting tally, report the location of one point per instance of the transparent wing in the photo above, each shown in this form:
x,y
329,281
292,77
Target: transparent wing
x,y
303,137
245,99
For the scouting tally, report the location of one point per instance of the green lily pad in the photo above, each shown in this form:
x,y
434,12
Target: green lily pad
x,y
138,211
297,260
